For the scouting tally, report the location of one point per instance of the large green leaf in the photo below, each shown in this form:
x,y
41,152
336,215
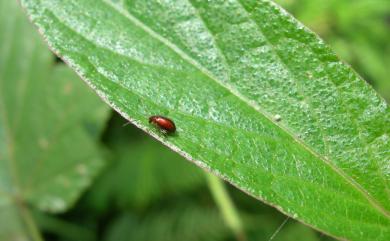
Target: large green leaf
x,y
257,98
49,122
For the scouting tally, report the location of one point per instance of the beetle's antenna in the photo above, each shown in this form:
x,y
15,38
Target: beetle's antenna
x,y
278,229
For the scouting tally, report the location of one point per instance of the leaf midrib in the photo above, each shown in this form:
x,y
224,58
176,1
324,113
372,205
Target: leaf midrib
x,y
248,102
252,105
316,118
324,188
347,110
3,111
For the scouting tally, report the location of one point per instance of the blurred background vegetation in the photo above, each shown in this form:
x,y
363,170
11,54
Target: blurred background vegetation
x,y
147,192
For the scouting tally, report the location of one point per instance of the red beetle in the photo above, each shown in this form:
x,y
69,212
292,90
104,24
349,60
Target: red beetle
x,y
165,124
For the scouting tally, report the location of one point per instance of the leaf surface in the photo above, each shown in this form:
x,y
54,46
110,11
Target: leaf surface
x,y
49,122
257,98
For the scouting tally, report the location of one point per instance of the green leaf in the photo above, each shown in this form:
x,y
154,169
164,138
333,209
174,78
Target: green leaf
x,y
48,150
257,98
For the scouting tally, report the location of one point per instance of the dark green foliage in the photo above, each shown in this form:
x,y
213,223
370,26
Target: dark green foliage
x,y
189,223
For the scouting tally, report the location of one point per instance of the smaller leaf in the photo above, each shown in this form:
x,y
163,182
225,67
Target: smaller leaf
x,y
49,124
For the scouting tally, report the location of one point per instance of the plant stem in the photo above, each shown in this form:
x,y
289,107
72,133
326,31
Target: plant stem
x,y
226,206
31,227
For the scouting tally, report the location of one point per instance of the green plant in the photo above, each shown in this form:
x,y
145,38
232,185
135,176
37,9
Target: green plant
x,y
257,98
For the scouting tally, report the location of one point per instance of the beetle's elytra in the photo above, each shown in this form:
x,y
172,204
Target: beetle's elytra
x,y
165,124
